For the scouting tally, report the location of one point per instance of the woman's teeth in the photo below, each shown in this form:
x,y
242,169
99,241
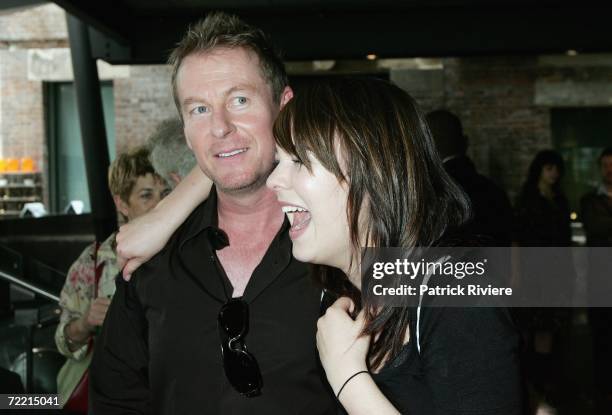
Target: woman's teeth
x,y
297,215
289,209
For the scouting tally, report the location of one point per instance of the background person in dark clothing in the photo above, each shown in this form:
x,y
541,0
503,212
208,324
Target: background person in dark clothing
x,y
10,382
543,220
492,211
596,208
597,205
542,210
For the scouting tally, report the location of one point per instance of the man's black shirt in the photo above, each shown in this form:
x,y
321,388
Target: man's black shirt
x,y
159,350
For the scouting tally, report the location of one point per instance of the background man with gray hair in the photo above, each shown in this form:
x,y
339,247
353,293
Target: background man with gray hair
x,y
170,156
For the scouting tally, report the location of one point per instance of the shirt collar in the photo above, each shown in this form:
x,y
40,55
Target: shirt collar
x,y
204,218
106,250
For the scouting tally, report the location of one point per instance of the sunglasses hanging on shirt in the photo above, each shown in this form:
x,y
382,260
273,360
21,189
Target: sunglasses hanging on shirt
x,y
241,368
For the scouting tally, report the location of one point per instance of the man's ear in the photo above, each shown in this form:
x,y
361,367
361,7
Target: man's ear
x,y
286,96
121,206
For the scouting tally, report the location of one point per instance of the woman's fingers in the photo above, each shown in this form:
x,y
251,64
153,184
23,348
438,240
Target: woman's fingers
x,y
345,304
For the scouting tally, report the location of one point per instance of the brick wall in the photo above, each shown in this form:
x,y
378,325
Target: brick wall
x,y
504,102
21,126
33,25
142,93
495,99
141,101
21,99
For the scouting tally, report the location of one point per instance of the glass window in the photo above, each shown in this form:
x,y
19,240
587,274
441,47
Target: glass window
x,y
67,176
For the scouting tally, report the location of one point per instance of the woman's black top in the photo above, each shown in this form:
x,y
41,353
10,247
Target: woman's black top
x,y
466,363
458,360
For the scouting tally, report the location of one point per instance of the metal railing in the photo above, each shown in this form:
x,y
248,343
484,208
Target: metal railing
x,y
28,286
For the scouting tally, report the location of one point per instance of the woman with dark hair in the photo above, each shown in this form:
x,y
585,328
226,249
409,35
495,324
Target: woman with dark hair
x,y
543,221
542,210
357,167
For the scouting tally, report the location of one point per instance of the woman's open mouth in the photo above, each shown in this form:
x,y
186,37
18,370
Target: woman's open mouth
x,y
299,218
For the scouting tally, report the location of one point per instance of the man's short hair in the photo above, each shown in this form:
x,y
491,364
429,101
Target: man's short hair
x,y
605,153
447,132
222,30
169,150
126,169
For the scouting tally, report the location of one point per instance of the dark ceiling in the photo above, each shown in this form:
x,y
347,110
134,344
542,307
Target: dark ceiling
x,y
144,31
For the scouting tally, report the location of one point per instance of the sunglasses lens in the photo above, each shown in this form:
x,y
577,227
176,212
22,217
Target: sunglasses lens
x,y
243,372
240,366
233,318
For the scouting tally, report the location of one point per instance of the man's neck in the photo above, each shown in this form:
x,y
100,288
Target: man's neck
x,y
253,210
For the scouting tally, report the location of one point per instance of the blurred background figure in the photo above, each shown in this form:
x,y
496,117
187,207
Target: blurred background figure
x,y
596,209
492,211
90,282
170,156
597,205
10,382
543,220
542,210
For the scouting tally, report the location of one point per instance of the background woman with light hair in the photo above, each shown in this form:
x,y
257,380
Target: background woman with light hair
x,y
90,282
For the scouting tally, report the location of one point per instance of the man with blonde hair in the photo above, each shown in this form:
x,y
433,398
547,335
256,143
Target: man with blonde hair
x,y
223,319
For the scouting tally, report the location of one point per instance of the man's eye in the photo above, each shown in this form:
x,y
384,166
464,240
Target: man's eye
x,y
200,109
298,162
240,101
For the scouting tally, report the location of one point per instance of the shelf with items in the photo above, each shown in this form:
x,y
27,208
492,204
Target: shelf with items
x,y
20,186
25,199
17,189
